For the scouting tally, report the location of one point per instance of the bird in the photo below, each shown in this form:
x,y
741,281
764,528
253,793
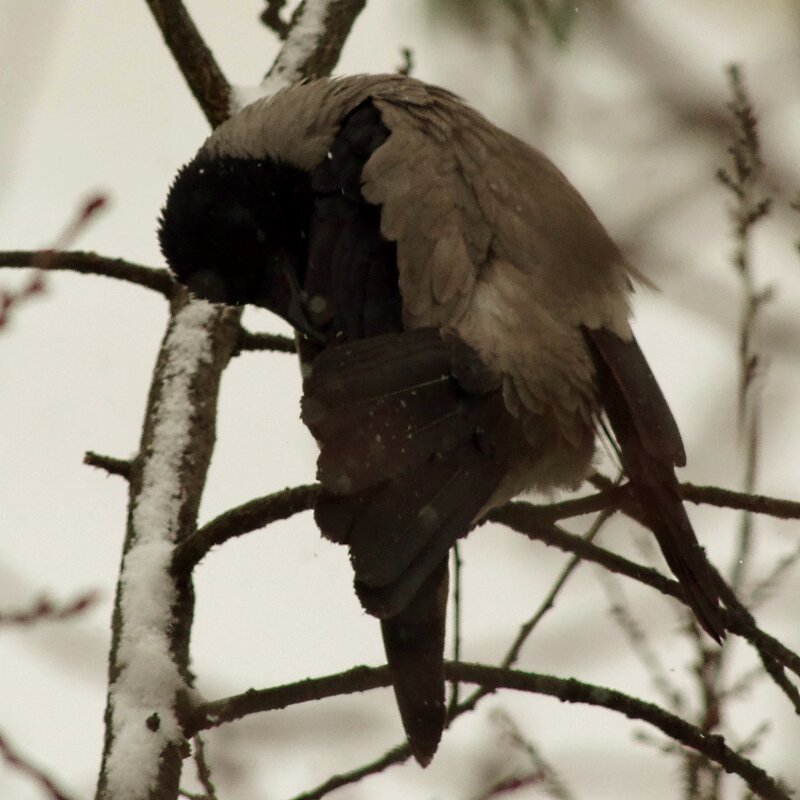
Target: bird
x,y
462,319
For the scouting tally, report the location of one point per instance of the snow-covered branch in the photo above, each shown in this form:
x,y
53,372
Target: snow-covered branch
x,y
148,677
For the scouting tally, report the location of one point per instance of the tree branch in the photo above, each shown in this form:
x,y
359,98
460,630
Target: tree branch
x,y
113,466
87,263
243,519
701,495
362,679
153,609
264,341
741,501
525,520
46,783
196,62
317,34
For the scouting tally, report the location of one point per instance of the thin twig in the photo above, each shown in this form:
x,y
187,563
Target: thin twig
x,y
243,519
88,263
458,575
47,610
549,601
742,181
637,637
111,465
741,501
738,619
21,764
545,774
265,341
394,756
10,300
203,770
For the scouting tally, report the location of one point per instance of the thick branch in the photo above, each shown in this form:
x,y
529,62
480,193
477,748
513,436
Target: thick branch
x,y
153,610
91,264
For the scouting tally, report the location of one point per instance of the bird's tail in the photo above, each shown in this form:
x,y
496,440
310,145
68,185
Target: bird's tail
x,y
414,644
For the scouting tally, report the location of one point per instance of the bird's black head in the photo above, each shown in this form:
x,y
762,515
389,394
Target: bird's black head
x,y
234,230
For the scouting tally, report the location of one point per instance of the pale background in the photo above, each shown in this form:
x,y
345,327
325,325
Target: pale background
x,y
90,100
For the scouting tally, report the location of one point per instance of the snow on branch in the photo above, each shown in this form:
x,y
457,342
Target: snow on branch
x,y
316,35
142,696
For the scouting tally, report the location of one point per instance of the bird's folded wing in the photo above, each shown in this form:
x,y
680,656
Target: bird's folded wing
x,y
407,426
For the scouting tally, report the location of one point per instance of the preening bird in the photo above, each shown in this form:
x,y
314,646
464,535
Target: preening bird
x,y
463,320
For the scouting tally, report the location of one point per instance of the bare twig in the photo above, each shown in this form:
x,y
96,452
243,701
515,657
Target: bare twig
x,y
264,341
47,610
458,576
544,775
742,501
91,264
747,209
113,466
766,586
738,619
394,756
407,65
33,287
203,770
243,519
703,778
640,644
21,764
549,601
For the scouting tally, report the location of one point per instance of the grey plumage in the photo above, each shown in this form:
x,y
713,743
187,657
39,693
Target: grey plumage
x,y
466,320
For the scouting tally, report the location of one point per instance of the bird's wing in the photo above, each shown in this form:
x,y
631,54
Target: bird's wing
x,y
458,194
405,421
408,428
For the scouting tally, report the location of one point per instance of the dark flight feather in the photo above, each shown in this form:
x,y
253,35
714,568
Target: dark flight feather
x,y
650,445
